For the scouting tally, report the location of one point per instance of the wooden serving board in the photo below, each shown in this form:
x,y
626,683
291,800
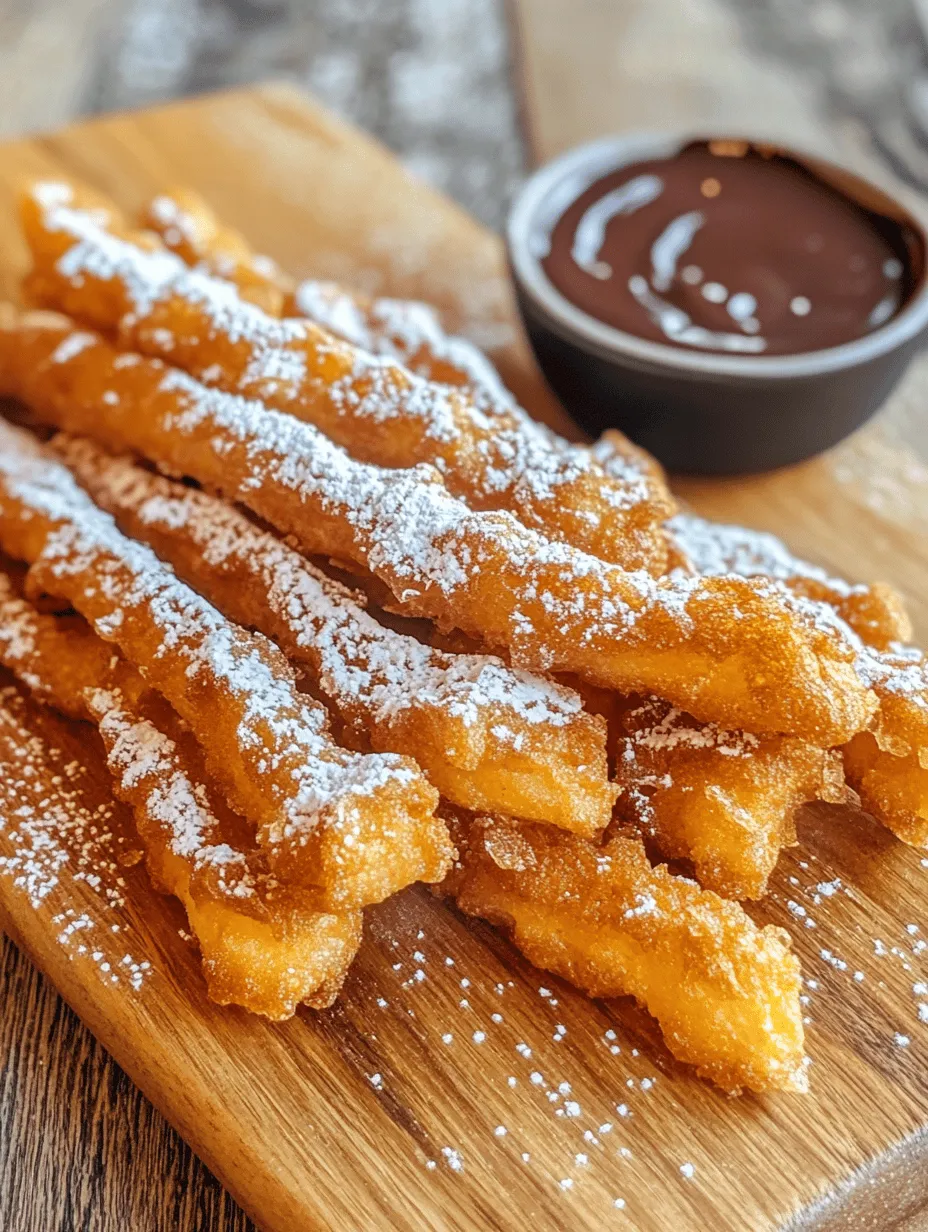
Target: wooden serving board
x,y
453,1086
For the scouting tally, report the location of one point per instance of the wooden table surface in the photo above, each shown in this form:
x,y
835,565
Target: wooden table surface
x,y
80,1148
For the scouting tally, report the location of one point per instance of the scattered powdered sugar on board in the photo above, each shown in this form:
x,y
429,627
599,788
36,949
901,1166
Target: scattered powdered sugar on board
x,y
846,962
536,1040
530,1036
53,835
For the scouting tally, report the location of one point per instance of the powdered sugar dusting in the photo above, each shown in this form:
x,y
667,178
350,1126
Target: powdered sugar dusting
x,y
553,604
402,330
361,660
670,730
513,451
408,525
141,756
411,333
278,729
52,836
715,548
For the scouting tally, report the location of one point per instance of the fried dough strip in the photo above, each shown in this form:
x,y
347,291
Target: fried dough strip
x,y
59,657
352,828
89,264
888,765
742,652
721,799
725,992
487,735
260,946
406,331
876,613
185,224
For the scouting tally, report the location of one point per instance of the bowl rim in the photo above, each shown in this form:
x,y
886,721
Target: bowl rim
x,y
598,158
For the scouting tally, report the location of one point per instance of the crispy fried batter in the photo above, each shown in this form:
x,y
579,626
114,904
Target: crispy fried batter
x,y
31,646
410,333
893,788
352,828
91,265
261,947
725,992
187,226
488,736
504,543
743,652
888,766
721,799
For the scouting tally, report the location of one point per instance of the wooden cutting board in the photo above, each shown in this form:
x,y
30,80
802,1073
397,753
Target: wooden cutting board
x,y
453,1086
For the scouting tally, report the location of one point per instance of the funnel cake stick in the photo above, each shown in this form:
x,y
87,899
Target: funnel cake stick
x,y
479,729
90,265
599,916
725,992
876,613
888,765
722,799
410,333
743,652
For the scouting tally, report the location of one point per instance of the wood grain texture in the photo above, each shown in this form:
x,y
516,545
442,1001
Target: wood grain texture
x,y
80,1146
333,1120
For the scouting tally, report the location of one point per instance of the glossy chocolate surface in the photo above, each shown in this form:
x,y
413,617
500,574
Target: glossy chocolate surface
x,y
731,247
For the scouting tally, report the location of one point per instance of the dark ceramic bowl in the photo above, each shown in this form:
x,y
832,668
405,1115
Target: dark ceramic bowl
x,y
702,412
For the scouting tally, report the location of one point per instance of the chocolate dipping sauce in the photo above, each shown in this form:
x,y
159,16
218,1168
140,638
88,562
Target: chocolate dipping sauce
x,y
730,247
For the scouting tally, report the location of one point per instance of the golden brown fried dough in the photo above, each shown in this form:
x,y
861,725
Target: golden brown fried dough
x,y
887,765
410,333
876,613
725,992
723,800
374,406
487,735
742,652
